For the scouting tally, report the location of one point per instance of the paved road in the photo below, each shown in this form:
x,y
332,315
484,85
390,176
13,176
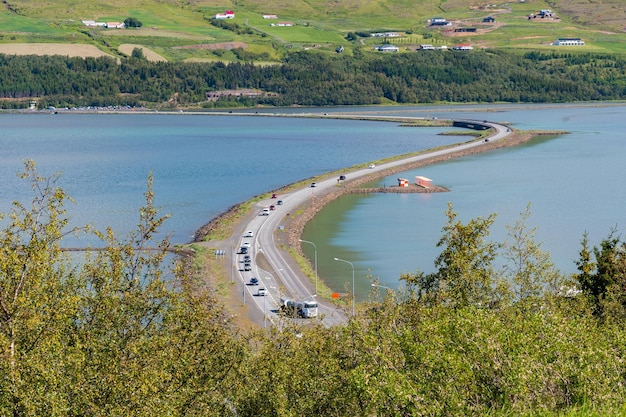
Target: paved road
x,y
286,280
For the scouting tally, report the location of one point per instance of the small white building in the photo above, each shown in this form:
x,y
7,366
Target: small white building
x,y
270,16
568,42
228,14
387,48
115,25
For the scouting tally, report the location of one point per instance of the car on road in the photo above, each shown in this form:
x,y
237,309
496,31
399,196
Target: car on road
x,y
243,250
372,166
272,207
246,258
246,244
254,281
265,212
262,292
342,178
313,185
279,203
247,267
249,233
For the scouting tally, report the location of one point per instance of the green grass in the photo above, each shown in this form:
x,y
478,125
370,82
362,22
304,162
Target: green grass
x,y
168,24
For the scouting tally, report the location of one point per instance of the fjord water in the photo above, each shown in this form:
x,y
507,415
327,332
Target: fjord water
x,y
202,165
574,183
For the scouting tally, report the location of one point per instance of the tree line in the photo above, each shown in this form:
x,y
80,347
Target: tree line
x,y
311,78
123,333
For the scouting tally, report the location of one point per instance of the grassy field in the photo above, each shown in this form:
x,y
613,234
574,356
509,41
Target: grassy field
x,y
171,26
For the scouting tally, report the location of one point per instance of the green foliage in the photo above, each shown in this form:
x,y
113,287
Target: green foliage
x,y
312,78
132,22
115,336
465,266
119,333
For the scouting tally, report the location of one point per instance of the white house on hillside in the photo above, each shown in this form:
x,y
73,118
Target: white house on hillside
x,y
568,42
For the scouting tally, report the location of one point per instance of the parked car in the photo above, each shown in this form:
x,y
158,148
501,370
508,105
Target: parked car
x,y
262,292
254,281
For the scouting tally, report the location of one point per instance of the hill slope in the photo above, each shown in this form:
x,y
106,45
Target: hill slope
x,y
182,30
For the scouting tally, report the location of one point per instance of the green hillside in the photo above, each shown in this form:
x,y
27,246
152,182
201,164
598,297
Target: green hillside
x,y
182,30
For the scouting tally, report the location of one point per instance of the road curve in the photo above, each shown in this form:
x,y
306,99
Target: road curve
x,y
284,279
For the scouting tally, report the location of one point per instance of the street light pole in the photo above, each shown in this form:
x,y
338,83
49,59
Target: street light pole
x,y
353,295
314,247
382,286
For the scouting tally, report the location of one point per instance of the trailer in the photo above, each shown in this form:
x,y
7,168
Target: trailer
x,y
295,308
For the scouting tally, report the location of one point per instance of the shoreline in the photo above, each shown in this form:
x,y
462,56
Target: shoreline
x,y
227,227
514,139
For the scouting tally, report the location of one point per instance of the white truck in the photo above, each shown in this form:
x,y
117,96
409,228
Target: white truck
x,y
304,309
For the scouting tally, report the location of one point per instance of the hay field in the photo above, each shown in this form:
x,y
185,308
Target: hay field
x,y
127,48
66,49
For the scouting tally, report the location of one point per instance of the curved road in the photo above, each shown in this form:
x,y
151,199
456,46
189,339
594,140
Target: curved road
x,y
286,280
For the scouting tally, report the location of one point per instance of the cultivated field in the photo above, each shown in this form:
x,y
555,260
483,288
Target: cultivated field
x,y
66,49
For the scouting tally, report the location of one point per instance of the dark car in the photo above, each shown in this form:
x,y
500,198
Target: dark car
x,y
254,281
342,177
243,250
279,203
272,207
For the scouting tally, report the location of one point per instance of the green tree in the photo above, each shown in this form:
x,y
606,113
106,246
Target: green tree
x,y
529,268
132,22
465,269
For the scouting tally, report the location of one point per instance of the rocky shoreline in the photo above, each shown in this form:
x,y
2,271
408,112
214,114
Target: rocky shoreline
x,y
294,224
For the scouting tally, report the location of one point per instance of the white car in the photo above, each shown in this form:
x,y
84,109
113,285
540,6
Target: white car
x,y
246,244
372,166
262,292
249,234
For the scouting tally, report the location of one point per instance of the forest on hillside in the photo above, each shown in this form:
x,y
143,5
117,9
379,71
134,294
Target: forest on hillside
x,y
117,334
316,79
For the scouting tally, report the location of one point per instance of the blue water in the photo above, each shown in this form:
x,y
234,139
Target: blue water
x,y
202,165
574,183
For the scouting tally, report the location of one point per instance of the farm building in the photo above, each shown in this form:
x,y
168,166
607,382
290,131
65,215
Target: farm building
x,y
423,181
387,48
228,14
270,16
568,42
